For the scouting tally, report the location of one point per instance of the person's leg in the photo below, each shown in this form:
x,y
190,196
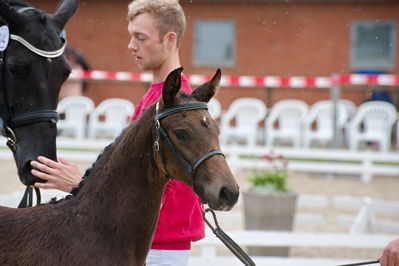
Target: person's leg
x,y
158,257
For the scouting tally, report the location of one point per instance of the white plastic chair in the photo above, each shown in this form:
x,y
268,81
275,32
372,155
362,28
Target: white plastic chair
x,y
289,115
373,122
322,115
247,113
116,114
214,108
350,107
75,109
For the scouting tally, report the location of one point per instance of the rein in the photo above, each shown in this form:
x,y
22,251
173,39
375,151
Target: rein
x,y
361,263
161,132
239,253
9,121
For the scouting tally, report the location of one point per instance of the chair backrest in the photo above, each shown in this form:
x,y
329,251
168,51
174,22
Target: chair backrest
x,y
376,116
114,110
322,113
75,107
350,107
214,108
247,112
288,113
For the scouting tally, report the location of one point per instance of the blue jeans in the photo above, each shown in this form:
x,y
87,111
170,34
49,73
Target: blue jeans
x,y
157,257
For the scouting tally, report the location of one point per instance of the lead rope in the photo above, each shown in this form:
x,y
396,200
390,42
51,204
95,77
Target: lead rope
x,y
361,263
229,243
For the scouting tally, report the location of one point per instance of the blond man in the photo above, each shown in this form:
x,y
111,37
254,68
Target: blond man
x,y
156,28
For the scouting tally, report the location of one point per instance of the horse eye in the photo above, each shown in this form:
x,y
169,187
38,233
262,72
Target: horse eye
x,y
181,134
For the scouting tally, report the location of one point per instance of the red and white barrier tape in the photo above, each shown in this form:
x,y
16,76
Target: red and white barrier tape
x,y
360,79
251,81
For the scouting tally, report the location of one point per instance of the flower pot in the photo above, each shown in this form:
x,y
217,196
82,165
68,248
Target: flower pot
x,y
272,212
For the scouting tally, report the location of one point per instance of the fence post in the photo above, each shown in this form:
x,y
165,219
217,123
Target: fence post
x,y
367,165
363,220
335,94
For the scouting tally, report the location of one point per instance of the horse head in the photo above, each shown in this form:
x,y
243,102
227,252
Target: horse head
x,y
33,69
189,148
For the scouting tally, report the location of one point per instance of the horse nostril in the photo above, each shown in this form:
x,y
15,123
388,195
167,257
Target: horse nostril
x,y
227,197
26,169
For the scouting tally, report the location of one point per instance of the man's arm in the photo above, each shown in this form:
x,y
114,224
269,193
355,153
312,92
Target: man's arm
x,y
63,175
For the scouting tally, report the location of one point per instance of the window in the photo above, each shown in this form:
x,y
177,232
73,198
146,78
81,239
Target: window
x,y
214,43
373,45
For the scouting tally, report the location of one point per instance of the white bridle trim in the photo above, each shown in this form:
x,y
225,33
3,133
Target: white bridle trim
x,y
51,54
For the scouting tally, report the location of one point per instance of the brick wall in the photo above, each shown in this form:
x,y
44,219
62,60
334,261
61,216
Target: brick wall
x,y
282,39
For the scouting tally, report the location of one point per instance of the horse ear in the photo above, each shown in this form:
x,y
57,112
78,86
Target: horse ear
x,y
65,11
171,87
10,14
206,91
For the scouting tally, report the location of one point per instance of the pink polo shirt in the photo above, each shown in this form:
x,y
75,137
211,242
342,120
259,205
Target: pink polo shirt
x,y
180,219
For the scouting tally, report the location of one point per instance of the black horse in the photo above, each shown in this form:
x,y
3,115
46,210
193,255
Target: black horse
x,y
33,68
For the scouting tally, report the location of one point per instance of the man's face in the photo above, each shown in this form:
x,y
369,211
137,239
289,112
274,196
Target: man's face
x,y
149,52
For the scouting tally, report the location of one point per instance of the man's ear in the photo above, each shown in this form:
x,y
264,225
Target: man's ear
x,y
171,40
171,87
206,91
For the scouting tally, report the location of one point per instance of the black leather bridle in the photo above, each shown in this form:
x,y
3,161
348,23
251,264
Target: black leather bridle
x,y
161,132
9,121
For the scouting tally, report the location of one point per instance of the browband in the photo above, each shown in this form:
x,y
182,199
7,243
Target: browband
x,y
180,108
47,54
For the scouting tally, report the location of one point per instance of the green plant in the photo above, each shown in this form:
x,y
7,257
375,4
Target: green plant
x,y
273,179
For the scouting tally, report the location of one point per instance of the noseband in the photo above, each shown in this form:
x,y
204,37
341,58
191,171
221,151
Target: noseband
x,y
8,121
161,132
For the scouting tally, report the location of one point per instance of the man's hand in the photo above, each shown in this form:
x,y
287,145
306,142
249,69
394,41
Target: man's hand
x,y
63,175
390,254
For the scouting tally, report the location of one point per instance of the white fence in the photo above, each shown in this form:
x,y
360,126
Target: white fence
x,y
354,214
325,161
366,219
361,225
366,164
208,246
72,149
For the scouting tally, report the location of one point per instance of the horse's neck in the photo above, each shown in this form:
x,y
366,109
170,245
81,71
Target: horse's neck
x,y
125,189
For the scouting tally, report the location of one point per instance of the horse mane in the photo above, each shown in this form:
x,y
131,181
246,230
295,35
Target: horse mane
x,y
131,134
14,3
147,115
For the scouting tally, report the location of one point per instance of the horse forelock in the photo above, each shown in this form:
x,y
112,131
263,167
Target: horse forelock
x,y
15,3
38,30
185,98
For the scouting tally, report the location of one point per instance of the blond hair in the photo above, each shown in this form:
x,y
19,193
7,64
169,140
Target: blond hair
x,y
168,14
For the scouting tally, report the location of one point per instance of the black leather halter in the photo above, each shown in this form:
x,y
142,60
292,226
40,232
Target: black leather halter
x,y
161,132
9,121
